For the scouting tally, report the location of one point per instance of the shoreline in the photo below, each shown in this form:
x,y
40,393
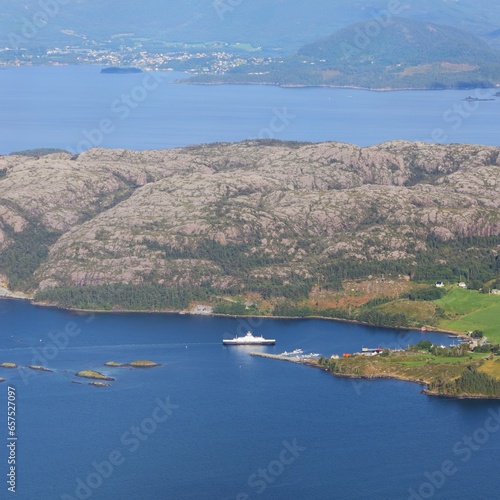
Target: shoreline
x,y
450,396
5,293
326,86
273,84
21,296
297,360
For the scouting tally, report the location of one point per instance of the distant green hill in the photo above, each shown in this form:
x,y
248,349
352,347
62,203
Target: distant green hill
x,y
405,52
399,41
387,53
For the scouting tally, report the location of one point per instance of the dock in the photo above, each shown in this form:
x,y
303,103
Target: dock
x,y
295,359
372,349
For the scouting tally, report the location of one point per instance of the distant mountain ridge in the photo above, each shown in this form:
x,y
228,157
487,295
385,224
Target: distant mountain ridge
x,y
389,53
285,24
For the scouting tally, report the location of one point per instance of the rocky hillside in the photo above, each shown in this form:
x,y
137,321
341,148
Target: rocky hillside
x,y
250,215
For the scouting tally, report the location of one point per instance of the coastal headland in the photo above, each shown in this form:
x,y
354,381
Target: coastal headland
x,y
448,372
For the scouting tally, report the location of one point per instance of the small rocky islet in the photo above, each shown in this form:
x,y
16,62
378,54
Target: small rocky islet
x,y
94,375
39,368
100,379
8,365
12,366
142,363
32,367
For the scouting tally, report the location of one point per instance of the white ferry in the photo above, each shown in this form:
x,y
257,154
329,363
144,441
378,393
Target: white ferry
x,y
249,339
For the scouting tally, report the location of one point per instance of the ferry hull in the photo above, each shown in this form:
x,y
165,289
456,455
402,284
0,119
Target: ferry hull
x,y
243,342
249,339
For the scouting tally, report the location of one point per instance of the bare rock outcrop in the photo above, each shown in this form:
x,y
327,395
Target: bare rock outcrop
x,y
132,216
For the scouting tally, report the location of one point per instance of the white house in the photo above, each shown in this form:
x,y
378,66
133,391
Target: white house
x,y
462,285
439,284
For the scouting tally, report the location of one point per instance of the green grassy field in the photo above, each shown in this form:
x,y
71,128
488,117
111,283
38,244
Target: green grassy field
x,y
248,47
468,310
418,309
428,358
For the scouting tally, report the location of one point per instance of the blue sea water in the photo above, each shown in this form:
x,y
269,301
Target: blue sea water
x,y
77,107
214,422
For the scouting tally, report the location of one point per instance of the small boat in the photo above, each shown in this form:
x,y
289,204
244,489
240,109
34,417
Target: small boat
x,y
296,352
249,339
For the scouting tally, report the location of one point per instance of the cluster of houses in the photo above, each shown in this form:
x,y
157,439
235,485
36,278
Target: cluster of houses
x,y
365,351
440,284
462,284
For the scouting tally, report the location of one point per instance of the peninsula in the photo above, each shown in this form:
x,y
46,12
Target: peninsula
x,y
448,372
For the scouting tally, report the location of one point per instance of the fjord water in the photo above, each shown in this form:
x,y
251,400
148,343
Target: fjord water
x,y
229,416
235,417
77,107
